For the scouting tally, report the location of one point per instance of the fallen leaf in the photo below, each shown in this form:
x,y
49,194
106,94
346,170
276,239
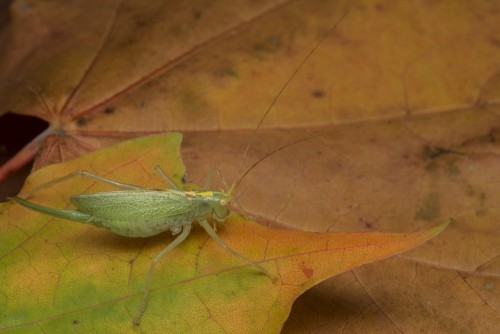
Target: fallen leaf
x,y
408,93
124,74
139,68
60,276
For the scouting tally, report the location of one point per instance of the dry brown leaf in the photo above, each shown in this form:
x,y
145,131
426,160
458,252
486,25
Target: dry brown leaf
x,y
417,82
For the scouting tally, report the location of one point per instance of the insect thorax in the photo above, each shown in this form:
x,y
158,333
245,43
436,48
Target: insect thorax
x,y
214,203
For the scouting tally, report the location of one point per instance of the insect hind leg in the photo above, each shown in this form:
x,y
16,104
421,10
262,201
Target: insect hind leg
x,y
83,174
185,232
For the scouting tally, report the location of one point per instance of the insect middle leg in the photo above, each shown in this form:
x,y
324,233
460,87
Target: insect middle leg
x,y
83,174
185,232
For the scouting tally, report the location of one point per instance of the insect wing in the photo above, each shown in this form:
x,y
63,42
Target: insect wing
x,y
133,205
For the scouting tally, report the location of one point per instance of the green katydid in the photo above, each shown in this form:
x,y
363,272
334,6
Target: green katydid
x,y
139,212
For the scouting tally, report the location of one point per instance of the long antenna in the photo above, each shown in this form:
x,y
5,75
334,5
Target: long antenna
x,y
237,181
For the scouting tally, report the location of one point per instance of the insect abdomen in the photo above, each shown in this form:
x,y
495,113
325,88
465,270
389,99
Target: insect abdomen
x,y
143,228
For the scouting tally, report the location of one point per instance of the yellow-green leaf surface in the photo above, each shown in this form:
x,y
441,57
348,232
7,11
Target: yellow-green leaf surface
x,y
59,276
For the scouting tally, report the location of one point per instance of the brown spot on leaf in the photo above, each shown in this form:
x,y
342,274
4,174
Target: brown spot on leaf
x,y
495,42
433,152
197,14
318,93
308,272
109,110
82,121
430,209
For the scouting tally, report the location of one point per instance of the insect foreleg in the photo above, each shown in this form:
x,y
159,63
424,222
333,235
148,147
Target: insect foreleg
x,y
221,243
83,174
210,175
166,177
185,232
223,180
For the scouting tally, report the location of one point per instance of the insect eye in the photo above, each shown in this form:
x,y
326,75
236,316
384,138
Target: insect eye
x,y
223,202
